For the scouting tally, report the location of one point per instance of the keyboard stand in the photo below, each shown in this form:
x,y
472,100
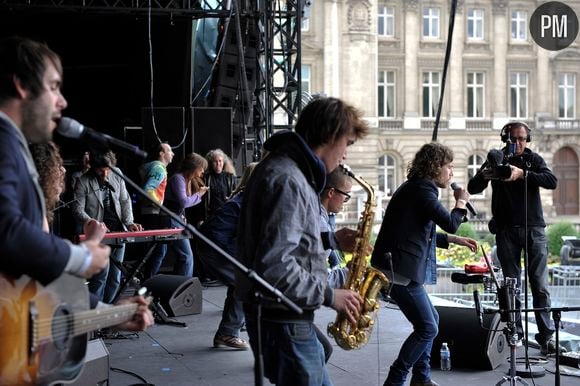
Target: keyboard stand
x,y
129,277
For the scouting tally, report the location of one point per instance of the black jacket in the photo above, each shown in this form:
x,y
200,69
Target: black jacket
x,y
509,197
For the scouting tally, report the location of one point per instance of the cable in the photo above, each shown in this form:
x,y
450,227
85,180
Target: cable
x,y
118,370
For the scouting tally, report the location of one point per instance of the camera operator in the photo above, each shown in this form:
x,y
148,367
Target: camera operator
x,y
508,207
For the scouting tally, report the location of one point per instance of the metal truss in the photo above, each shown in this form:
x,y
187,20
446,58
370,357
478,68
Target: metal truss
x,y
279,76
177,8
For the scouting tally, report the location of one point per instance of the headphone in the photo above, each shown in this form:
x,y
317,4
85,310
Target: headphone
x,y
506,130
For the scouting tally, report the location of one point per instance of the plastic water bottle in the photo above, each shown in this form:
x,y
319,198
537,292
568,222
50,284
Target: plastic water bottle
x,y
445,357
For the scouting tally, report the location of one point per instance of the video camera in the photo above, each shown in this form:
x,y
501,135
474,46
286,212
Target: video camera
x,y
498,167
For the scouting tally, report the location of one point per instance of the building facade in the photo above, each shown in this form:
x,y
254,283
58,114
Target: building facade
x,y
387,56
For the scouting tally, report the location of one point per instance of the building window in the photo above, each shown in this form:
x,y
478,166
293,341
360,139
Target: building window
x,y
519,95
431,90
475,94
306,74
519,22
386,21
305,26
387,174
567,96
474,163
386,94
431,20
475,24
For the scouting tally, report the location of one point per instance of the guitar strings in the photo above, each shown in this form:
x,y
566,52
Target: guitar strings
x,y
75,324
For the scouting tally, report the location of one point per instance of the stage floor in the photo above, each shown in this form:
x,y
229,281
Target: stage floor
x,y
167,355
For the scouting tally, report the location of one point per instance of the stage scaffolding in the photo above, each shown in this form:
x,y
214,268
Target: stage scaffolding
x,y
277,96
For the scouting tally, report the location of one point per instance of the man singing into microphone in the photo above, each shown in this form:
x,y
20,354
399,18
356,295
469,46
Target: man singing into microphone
x,y
408,233
102,195
509,221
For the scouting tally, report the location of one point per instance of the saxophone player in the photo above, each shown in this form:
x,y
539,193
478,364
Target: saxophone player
x,y
408,233
279,238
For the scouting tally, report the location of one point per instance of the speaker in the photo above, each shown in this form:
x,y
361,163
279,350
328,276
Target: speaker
x,y
96,367
505,131
471,345
178,295
212,129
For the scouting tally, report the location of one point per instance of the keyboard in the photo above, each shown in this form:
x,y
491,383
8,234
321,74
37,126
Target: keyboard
x,y
571,359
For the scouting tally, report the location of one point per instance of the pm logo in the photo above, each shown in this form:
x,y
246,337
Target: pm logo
x,y
554,26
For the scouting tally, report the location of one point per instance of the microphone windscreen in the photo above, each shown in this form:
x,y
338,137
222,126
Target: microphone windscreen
x,y
70,128
495,157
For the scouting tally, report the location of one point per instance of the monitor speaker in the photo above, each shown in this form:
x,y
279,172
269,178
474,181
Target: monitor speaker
x,y
178,295
471,345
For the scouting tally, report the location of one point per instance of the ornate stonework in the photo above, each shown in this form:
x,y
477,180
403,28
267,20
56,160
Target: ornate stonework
x,y
359,20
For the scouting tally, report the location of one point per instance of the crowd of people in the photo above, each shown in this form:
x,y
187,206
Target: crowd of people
x,y
278,221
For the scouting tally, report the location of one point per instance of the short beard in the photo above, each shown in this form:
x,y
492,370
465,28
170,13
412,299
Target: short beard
x,y
34,127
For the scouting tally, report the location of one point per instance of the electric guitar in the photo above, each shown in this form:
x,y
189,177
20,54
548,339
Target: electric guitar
x,y
43,329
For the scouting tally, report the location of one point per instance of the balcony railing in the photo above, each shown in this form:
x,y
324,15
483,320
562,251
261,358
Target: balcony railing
x,y
390,124
428,124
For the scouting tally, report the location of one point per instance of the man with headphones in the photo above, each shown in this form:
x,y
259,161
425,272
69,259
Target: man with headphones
x,y
509,210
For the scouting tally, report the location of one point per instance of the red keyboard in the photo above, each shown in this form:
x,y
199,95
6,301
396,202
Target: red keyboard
x,y
141,236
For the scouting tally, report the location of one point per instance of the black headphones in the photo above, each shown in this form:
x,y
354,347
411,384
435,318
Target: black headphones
x,y
506,130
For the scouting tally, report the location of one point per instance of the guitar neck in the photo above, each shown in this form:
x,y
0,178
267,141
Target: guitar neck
x,y
87,321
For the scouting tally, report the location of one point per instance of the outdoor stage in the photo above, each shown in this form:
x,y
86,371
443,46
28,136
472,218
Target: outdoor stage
x,y
166,355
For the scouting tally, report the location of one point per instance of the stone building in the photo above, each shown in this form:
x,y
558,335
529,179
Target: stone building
x,y
387,56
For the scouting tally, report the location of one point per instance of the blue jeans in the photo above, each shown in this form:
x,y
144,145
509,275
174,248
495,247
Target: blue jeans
x,y
416,350
105,284
220,268
183,256
292,354
510,244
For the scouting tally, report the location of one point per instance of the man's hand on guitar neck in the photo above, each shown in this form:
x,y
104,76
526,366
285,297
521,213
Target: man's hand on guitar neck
x,y
142,318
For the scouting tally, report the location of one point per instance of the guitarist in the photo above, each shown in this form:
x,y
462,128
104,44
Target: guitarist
x,y
30,107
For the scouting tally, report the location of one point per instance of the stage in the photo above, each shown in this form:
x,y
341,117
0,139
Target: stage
x,y
167,355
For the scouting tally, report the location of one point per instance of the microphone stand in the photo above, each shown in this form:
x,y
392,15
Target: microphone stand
x,y
251,274
527,370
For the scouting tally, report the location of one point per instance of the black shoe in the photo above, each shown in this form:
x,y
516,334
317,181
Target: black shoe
x,y
429,382
549,347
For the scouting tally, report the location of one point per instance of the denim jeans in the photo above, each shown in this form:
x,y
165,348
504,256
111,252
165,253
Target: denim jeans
x,y
510,244
415,353
183,256
220,268
291,352
105,284
232,315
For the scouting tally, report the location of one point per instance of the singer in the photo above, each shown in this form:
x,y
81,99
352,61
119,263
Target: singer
x,y
510,217
408,232
102,196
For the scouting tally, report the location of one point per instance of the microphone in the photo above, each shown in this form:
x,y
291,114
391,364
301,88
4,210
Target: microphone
x,y
468,205
478,307
70,128
462,278
495,157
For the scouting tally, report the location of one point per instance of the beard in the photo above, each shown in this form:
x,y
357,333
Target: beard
x,y
36,120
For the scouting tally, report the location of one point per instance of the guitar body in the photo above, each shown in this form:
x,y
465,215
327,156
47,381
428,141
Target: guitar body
x,y
37,327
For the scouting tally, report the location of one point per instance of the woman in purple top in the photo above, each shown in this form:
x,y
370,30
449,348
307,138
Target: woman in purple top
x,y
185,189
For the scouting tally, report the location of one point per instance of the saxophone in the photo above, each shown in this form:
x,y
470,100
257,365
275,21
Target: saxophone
x,y
363,279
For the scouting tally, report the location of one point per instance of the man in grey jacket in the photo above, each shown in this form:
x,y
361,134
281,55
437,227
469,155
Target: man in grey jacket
x,y
280,239
102,195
